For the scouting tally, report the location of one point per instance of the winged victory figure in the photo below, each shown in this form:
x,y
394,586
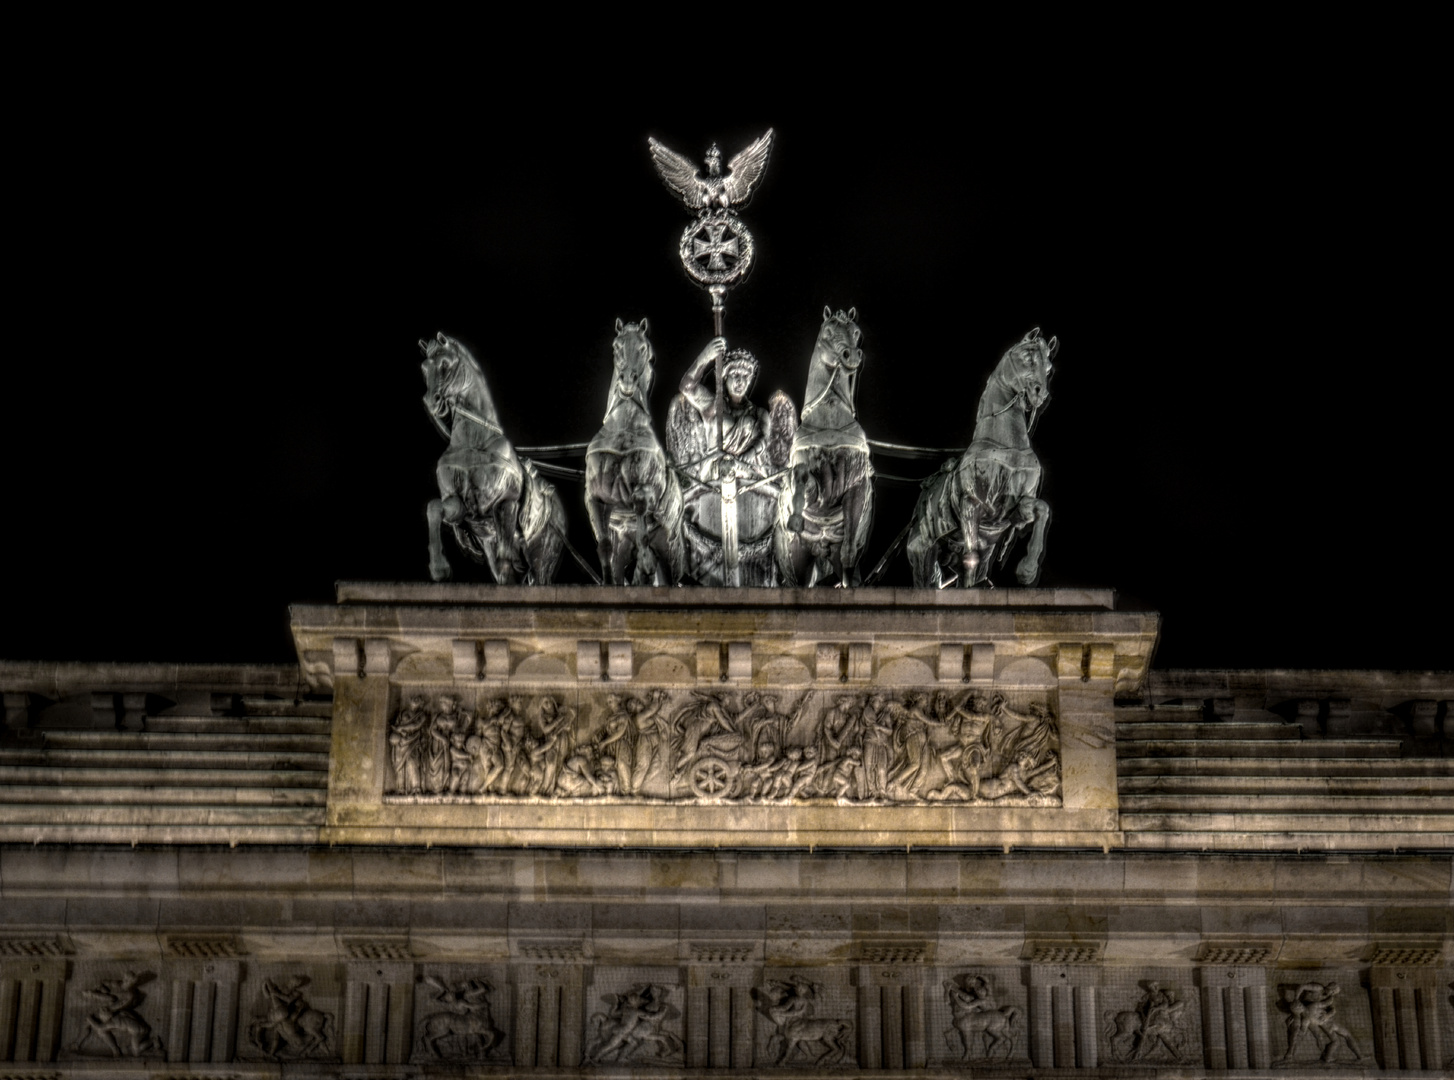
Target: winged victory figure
x,y
705,192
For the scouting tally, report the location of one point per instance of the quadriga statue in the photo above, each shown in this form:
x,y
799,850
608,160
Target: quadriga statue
x,y
755,444
632,494
825,513
502,511
971,511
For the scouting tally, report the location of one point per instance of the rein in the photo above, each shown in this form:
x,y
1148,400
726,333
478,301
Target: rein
x,y
487,425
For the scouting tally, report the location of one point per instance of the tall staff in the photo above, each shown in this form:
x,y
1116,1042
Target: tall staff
x,y
716,252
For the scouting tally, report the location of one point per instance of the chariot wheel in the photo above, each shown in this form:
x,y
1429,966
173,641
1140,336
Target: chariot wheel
x,y
711,777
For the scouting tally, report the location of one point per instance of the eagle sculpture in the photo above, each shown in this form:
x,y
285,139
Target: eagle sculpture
x,y
714,189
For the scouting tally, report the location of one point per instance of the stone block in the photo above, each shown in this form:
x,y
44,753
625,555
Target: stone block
x,y
860,661
951,663
739,660
827,662
588,661
467,661
618,660
496,656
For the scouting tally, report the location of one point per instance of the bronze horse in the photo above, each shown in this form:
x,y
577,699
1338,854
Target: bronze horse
x,y
502,512
825,512
970,512
632,495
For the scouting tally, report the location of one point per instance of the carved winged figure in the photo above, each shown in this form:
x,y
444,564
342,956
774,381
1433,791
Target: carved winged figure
x,y
971,511
502,511
755,445
715,189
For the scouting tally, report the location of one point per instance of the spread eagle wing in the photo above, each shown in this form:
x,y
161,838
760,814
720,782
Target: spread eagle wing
x,y
782,427
679,174
746,169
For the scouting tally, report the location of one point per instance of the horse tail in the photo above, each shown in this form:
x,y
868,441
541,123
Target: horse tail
x,y
1110,1028
1011,1015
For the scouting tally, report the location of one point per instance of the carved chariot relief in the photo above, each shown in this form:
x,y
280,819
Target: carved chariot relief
x,y
980,1029
873,747
1156,1031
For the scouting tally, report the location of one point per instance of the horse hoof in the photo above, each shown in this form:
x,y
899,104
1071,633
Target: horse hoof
x,y
795,523
440,571
1027,575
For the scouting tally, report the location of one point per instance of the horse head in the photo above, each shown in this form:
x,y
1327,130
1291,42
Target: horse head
x,y
450,375
1025,370
635,366
838,340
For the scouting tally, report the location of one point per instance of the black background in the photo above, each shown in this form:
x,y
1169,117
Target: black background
x,y
211,404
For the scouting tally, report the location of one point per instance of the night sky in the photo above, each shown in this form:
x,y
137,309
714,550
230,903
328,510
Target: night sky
x,y
212,402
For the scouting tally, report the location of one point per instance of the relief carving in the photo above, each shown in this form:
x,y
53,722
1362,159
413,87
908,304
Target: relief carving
x,y
1155,1029
1310,1010
985,1029
799,1037
633,1028
116,1023
465,1029
289,1026
872,746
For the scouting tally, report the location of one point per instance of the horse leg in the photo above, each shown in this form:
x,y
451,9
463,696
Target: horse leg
x,y
600,516
439,568
502,553
971,549
857,522
1028,570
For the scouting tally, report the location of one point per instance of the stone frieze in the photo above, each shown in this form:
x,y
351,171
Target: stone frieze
x,y
873,746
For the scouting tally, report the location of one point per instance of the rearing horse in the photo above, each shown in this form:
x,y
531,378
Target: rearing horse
x,y
970,512
502,513
632,495
825,512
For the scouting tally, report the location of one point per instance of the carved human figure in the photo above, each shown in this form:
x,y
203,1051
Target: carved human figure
x,y
436,748
555,723
406,740
632,1028
755,444
916,761
650,744
116,1023
984,1029
465,1029
878,734
290,1026
1310,1012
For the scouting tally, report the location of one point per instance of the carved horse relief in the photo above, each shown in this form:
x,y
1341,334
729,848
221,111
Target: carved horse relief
x,y
971,512
632,495
825,512
501,511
